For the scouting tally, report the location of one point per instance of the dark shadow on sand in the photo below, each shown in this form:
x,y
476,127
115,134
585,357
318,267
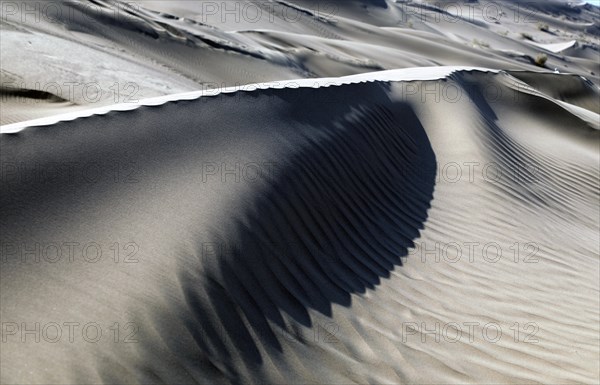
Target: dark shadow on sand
x,y
332,222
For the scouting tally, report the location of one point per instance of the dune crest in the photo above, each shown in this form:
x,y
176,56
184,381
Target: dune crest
x,y
288,219
293,192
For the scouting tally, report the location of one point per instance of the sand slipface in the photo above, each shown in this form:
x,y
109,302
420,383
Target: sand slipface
x,y
315,192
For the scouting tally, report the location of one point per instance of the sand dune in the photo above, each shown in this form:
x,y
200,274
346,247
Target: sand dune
x,y
376,204
117,52
248,262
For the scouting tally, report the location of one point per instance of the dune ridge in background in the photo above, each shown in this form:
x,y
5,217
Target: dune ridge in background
x,y
420,225
107,52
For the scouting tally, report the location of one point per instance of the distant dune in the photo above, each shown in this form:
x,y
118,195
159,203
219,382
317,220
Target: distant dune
x,y
106,51
359,195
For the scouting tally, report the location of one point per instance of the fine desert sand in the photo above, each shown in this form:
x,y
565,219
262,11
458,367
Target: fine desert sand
x,y
299,192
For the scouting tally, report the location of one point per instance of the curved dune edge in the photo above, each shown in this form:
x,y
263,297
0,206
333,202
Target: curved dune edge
x,y
315,248
397,75
434,222
556,47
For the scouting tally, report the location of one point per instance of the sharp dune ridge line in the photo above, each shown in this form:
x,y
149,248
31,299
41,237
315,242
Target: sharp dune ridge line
x,y
330,262
360,196
155,48
398,75
405,74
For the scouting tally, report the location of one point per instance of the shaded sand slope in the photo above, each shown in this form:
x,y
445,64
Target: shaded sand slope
x,y
271,227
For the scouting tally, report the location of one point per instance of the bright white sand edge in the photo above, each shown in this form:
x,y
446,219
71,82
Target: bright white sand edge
x,y
397,75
